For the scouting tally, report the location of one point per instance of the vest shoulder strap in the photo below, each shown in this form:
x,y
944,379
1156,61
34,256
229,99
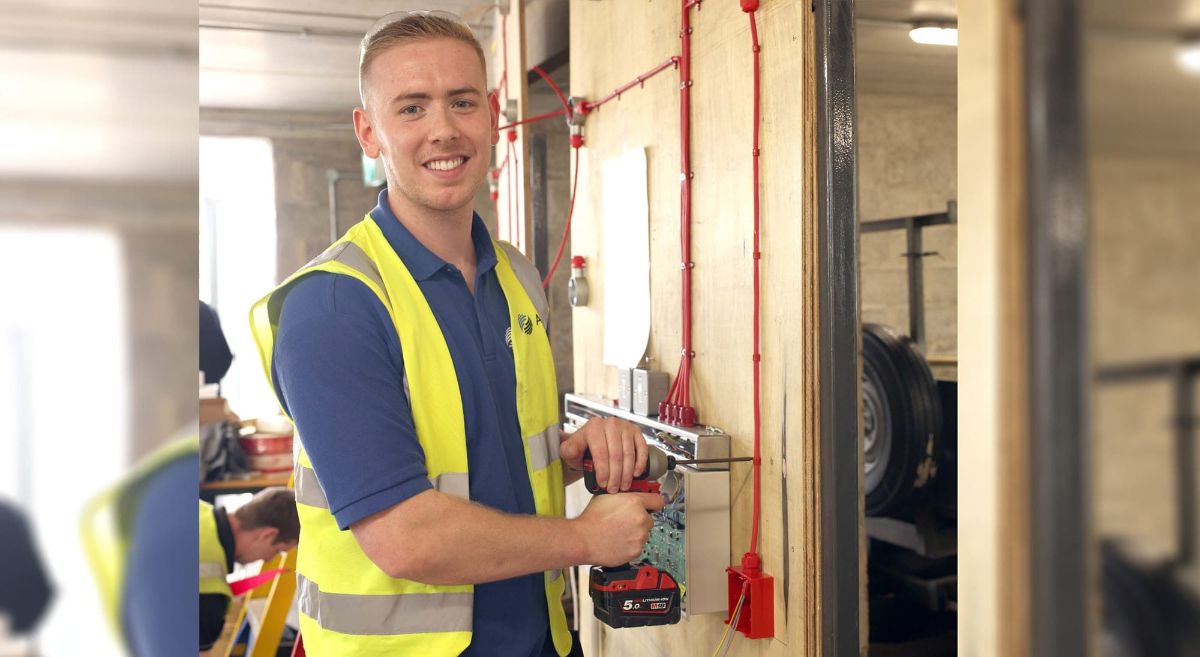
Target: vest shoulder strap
x,y
530,279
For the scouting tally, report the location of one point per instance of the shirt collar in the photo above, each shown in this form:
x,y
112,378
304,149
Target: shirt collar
x,y
225,536
421,262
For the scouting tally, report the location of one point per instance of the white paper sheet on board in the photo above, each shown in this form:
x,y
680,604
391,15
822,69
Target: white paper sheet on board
x,y
626,226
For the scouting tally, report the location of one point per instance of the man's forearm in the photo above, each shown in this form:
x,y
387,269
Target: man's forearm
x,y
439,539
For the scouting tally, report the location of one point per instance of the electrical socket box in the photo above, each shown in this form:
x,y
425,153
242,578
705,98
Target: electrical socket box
x,y
649,388
690,537
625,388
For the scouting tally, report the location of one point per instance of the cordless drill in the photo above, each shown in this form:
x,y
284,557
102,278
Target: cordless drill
x,y
658,463
633,594
638,594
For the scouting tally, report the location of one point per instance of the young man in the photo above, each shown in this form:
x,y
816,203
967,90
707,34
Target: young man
x,y
256,531
413,357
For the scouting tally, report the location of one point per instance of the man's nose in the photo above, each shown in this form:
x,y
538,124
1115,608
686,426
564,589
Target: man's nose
x,y
444,126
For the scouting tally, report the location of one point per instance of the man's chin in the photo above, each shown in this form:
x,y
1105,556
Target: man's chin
x,y
458,200
450,206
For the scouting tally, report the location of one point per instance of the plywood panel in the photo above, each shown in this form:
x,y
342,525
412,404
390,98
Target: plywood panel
x,y
993,469
611,43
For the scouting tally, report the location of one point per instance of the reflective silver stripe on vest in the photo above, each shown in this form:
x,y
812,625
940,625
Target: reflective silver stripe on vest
x,y
554,574
529,278
351,255
310,493
308,489
212,570
543,448
409,613
457,484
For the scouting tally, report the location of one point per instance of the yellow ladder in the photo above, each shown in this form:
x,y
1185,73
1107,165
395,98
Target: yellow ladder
x,y
279,597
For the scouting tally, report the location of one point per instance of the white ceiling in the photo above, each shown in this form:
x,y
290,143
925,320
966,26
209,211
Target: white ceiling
x,y
1138,100
298,55
98,89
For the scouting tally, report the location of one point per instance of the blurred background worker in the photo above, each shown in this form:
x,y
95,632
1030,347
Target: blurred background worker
x,y
256,531
215,356
139,542
26,590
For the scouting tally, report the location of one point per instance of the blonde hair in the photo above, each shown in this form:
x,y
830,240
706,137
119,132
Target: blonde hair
x,y
405,27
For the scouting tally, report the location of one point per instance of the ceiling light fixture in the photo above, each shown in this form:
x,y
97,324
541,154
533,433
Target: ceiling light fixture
x,y
934,34
1188,55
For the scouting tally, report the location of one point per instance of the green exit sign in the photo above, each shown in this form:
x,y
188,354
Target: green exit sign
x,y
372,170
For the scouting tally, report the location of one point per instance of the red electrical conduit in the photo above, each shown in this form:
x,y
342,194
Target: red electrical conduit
x,y
750,6
562,244
677,407
586,106
511,184
557,91
534,119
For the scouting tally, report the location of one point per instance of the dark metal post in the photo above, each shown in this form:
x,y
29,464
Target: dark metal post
x,y
839,333
916,281
539,203
1059,462
1185,458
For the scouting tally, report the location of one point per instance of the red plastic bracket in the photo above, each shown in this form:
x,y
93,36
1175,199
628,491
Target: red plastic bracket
x,y
757,620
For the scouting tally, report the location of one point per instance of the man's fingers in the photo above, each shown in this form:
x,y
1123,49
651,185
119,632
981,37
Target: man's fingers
x,y
598,446
570,448
639,443
651,501
628,456
612,435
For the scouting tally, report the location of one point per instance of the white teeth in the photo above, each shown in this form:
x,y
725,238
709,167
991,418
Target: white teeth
x,y
444,165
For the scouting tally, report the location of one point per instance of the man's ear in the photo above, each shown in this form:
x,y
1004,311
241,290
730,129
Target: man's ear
x,y
365,131
494,105
268,534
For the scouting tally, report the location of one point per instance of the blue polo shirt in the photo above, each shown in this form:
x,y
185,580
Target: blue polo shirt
x,y
338,371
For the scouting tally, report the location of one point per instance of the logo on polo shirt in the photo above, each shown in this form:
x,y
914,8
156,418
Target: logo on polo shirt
x,y
508,336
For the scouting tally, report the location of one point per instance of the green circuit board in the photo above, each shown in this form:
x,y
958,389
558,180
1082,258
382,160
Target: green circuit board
x,y
665,547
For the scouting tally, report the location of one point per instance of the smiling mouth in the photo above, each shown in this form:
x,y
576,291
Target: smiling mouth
x,y
446,165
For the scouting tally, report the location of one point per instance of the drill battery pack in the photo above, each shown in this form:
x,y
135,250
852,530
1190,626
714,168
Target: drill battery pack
x,y
634,595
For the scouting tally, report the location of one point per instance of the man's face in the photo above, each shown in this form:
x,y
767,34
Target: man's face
x,y
428,117
261,544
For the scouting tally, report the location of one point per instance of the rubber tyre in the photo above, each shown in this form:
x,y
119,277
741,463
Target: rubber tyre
x,y
899,373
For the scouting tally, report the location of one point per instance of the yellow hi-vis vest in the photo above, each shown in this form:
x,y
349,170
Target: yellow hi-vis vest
x,y
107,526
212,555
348,605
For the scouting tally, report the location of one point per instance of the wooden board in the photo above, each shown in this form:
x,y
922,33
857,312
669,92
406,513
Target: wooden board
x,y
610,45
993,417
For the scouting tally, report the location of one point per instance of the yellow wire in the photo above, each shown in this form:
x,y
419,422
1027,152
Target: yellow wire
x,y
732,619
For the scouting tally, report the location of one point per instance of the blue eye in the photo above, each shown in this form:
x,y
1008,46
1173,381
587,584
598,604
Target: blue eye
x,y
464,104
410,110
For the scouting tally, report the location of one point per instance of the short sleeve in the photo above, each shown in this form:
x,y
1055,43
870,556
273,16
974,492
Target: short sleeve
x,y
338,370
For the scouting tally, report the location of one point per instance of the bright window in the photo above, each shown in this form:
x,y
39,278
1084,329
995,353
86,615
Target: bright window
x,y
237,256
64,431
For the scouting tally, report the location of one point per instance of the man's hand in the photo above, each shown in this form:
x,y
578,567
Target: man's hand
x,y
615,527
618,449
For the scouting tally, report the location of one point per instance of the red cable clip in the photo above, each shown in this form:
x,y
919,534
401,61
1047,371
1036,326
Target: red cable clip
x,y
687,416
